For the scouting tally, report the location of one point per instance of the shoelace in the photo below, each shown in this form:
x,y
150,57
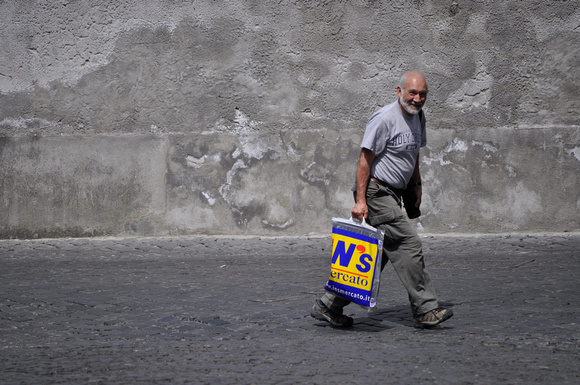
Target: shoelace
x,y
434,312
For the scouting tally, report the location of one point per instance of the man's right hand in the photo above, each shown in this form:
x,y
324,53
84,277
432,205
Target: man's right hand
x,y
360,211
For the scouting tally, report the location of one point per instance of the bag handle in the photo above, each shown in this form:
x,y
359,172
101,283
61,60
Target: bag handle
x,y
362,222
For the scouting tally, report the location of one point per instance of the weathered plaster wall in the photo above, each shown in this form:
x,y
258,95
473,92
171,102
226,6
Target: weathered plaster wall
x,y
244,117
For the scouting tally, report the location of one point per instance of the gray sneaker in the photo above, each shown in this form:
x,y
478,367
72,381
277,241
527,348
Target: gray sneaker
x,y
322,313
432,318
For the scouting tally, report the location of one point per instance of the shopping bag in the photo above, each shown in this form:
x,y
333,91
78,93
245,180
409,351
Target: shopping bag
x,y
355,271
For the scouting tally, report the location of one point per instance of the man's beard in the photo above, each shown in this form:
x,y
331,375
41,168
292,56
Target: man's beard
x,y
411,108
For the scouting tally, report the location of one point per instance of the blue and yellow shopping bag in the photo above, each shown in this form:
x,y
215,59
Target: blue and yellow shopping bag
x,y
355,271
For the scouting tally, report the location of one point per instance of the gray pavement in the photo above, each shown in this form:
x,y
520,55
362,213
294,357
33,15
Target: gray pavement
x,y
236,311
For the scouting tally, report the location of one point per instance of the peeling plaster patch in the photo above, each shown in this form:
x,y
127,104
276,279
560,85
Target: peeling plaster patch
x,y
230,176
510,170
438,158
192,161
21,123
575,151
486,146
249,201
458,145
256,146
216,157
243,122
489,148
253,144
282,226
210,200
305,173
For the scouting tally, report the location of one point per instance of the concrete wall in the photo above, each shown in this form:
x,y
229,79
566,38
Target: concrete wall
x,y
157,117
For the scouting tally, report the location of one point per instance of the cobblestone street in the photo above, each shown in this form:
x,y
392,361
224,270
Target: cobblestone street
x,y
236,311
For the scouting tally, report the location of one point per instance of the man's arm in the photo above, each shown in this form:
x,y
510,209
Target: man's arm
x,y
363,174
417,179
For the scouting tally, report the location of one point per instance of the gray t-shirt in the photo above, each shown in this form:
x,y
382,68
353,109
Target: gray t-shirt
x,y
395,138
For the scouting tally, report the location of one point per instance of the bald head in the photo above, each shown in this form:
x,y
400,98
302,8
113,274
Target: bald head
x,y
412,77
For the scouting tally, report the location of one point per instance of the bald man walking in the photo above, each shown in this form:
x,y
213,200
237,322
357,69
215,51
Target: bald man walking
x,y
389,161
